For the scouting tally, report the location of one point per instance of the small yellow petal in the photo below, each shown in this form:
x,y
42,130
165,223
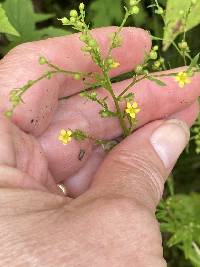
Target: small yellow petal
x,y
69,133
116,65
69,139
128,105
135,105
132,115
181,74
60,137
62,132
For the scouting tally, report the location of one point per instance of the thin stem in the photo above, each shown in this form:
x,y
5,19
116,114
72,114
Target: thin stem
x,y
127,14
58,69
45,75
132,84
115,99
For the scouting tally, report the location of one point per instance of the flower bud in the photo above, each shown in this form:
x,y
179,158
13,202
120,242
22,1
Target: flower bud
x,y
133,2
135,10
73,13
8,113
92,43
153,55
79,24
146,72
183,45
93,95
81,6
156,65
139,69
72,19
83,38
86,49
104,114
110,61
64,21
77,76
159,11
42,60
83,94
15,98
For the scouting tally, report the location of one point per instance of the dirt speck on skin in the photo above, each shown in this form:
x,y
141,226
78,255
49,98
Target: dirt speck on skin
x,y
81,154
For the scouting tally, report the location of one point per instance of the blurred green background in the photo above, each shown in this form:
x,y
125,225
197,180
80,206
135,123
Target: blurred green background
x,y
36,19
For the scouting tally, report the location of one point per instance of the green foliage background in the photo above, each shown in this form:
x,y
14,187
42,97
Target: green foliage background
x,y
33,20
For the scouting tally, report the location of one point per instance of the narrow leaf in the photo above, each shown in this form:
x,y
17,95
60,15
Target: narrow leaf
x,y
157,81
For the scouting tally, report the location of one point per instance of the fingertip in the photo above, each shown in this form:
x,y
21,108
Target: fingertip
x,y
187,115
144,36
136,45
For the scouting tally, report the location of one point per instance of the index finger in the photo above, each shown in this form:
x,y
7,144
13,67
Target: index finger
x,y
21,65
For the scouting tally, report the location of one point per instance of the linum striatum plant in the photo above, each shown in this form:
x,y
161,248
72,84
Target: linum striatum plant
x,y
127,116
125,106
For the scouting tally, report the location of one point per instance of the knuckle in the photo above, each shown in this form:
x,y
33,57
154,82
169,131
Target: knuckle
x,y
143,165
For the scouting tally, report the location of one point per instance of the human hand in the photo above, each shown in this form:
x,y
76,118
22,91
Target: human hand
x,y
114,219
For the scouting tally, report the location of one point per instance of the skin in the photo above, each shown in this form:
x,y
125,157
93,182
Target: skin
x,y
111,221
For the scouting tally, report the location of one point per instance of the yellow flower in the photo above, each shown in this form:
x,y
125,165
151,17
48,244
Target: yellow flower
x,y
132,109
115,65
182,79
65,136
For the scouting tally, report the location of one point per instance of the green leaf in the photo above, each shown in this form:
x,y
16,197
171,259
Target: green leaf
x,y
194,62
39,17
5,25
106,12
179,216
157,81
174,18
21,14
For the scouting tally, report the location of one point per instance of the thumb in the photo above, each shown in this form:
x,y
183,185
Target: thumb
x,y
139,166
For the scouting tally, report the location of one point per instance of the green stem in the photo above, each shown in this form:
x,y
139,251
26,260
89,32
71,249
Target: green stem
x,y
131,85
115,99
127,14
45,75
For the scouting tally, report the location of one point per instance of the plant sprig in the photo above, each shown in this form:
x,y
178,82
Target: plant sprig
x,y
125,105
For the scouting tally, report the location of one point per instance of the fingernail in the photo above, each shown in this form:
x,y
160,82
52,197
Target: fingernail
x,y
169,140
